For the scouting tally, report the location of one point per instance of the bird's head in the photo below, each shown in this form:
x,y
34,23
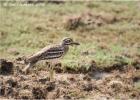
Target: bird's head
x,y
69,41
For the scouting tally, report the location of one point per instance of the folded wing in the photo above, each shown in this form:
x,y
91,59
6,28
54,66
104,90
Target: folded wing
x,y
52,53
47,53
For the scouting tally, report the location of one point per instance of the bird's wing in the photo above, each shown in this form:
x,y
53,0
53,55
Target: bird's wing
x,y
52,53
49,52
36,56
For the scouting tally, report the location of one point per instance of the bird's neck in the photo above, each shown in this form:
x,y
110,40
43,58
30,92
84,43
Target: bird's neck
x,y
66,47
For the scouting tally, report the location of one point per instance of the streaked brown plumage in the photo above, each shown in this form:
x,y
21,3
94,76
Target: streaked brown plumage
x,y
50,53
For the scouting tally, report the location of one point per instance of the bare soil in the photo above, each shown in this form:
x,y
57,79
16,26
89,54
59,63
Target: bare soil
x,y
112,82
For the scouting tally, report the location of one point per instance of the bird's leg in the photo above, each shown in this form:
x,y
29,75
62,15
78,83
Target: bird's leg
x,y
27,67
63,68
51,72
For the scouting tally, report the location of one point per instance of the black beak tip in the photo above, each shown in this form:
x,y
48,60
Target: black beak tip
x,y
78,43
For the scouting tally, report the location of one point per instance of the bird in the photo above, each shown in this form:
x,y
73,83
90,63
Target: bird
x,y
50,53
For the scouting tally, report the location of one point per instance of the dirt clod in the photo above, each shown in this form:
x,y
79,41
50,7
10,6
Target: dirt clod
x,y
67,97
71,23
50,86
87,77
13,51
44,80
6,67
88,20
39,93
136,64
6,91
135,94
12,83
116,85
25,94
2,90
87,87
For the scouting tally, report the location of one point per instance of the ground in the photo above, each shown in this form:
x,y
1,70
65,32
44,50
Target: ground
x,y
105,65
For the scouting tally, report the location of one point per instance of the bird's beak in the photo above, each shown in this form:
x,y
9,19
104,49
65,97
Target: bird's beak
x,y
76,43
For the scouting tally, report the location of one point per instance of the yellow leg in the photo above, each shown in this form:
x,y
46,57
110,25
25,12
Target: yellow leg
x,y
26,68
63,68
51,72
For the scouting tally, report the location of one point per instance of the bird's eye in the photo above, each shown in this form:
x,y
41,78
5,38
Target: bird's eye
x,y
69,40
